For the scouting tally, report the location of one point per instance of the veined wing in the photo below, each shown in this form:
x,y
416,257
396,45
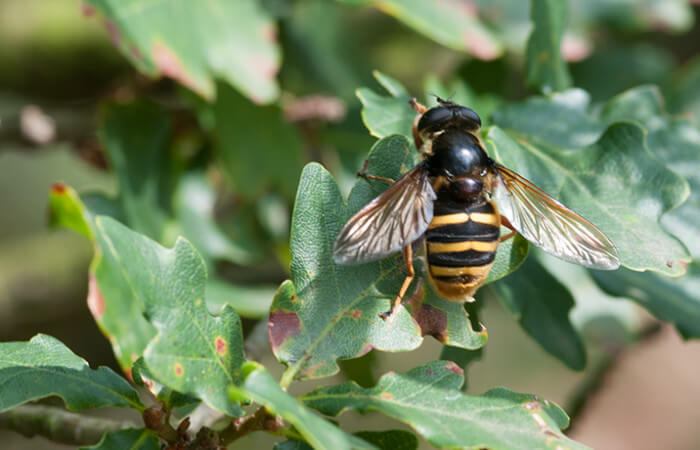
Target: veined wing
x,y
394,219
550,225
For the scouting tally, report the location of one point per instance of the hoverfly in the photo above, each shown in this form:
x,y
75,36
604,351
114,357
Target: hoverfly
x,y
458,198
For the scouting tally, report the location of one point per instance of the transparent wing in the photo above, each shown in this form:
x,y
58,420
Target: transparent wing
x,y
550,225
394,219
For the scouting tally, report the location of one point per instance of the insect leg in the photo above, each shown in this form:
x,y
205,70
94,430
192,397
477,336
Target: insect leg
x,y
408,256
420,109
506,223
363,174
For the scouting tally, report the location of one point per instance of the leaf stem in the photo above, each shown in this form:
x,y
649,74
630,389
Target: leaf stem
x,y
58,425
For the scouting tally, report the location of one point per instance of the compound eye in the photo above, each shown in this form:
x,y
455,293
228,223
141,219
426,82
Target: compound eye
x,y
466,188
469,118
434,119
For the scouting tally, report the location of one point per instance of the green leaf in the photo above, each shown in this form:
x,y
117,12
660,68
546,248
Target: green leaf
x,y
683,91
615,183
676,142
44,367
135,136
127,439
428,399
171,399
448,22
194,208
251,301
328,312
674,300
260,387
542,305
384,116
390,439
194,43
193,351
117,311
258,150
544,65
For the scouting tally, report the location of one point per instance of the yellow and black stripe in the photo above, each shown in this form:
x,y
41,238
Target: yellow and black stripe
x,y
461,244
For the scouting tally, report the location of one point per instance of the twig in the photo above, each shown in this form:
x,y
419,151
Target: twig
x,y
259,420
58,425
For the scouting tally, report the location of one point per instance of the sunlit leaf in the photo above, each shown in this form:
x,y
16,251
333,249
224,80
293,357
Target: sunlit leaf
x,y
193,352
615,183
144,378
117,311
43,367
329,311
429,400
387,115
259,387
196,42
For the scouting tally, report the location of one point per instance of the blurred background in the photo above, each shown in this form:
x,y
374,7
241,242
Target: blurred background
x,y
58,67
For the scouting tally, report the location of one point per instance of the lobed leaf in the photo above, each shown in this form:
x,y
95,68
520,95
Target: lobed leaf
x,y
428,399
259,386
43,367
117,311
169,398
192,351
196,42
127,439
544,65
387,115
328,312
615,183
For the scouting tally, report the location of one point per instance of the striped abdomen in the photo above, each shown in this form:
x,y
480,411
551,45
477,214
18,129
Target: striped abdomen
x,y
461,244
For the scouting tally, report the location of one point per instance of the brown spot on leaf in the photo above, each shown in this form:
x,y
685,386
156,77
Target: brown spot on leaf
x,y
454,368
179,371
59,188
282,325
432,321
429,372
532,406
269,32
127,372
87,10
355,313
136,53
669,264
683,264
386,396
221,346
293,298
170,65
115,35
95,299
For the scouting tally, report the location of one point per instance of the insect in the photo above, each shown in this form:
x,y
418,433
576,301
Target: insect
x,y
458,198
